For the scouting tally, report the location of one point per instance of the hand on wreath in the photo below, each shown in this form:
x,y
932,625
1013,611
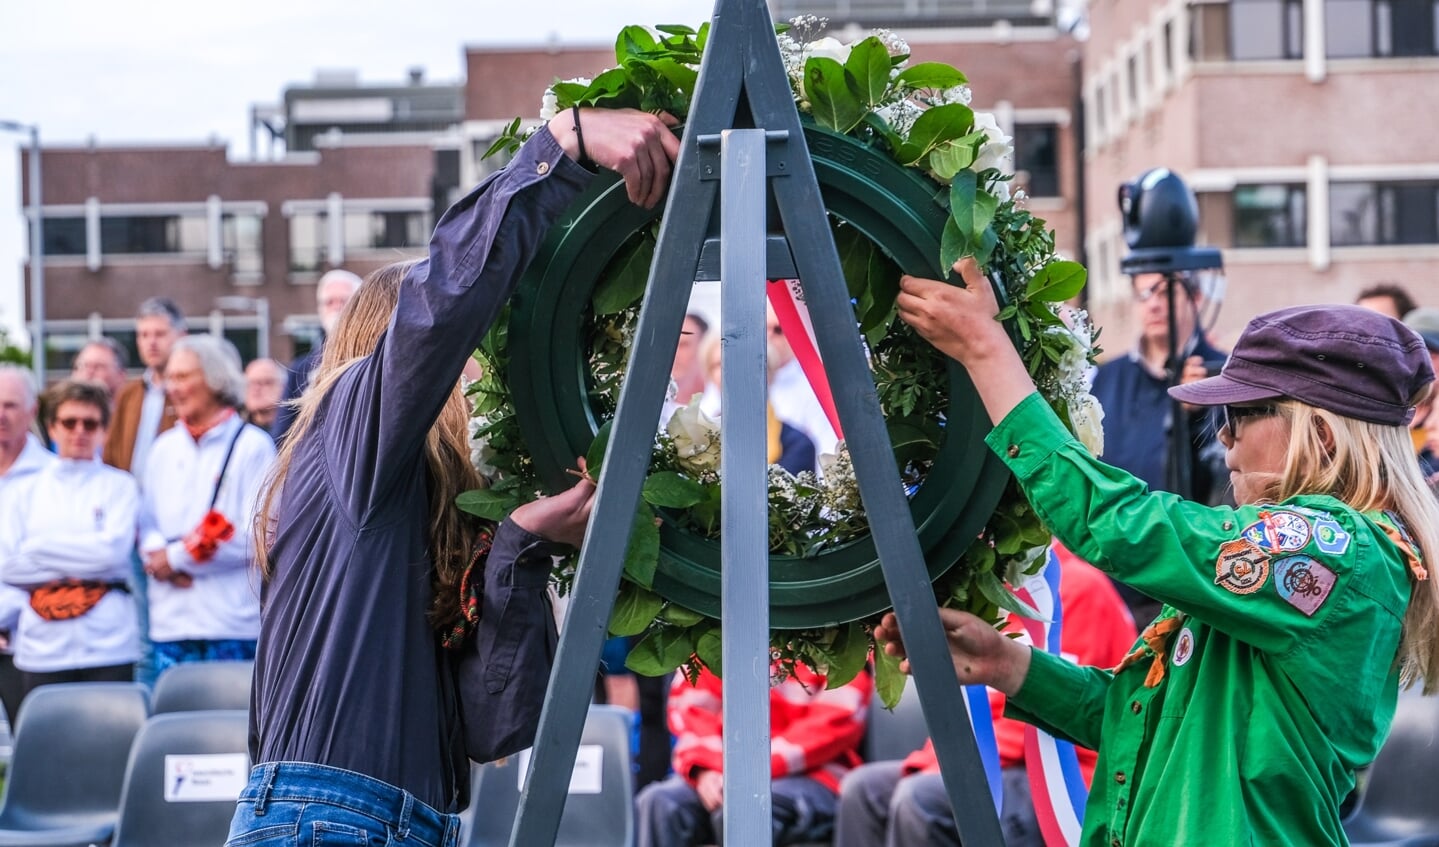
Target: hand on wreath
x,y
982,655
560,518
637,145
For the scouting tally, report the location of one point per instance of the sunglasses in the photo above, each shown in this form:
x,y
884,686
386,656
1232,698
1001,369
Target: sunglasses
x,y
1234,414
87,424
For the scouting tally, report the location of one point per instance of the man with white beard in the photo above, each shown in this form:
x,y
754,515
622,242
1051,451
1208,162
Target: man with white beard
x,y
332,293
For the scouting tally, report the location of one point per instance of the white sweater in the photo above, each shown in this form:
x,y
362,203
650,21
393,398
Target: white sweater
x,y
73,519
179,478
33,459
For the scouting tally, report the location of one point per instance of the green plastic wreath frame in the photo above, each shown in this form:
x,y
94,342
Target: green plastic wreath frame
x,y
901,211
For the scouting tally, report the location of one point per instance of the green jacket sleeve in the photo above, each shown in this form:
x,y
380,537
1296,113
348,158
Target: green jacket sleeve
x,y
1258,573
1063,699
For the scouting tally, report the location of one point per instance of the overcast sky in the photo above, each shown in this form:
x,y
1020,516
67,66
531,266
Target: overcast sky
x,y
167,70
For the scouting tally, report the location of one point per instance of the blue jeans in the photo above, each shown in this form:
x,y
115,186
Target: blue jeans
x,y
292,804
670,814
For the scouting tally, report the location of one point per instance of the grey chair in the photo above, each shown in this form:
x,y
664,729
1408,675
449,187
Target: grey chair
x,y
603,819
199,686
157,809
68,768
1396,807
894,735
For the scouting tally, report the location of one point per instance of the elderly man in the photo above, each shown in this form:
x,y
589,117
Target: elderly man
x,y
102,361
333,291
141,410
264,386
21,455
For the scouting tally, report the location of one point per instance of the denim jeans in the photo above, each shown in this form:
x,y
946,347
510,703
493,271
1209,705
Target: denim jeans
x,y
292,804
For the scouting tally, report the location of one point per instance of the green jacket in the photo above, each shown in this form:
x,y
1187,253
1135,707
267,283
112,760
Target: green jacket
x,y
1280,682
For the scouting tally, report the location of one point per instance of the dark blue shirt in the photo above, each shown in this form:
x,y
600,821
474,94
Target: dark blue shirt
x,y
350,673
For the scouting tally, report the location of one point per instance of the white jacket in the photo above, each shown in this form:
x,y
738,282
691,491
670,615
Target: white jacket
x,y
73,519
32,459
179,479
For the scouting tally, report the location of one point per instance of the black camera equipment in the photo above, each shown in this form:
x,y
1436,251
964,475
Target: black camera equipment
x,y
1161,219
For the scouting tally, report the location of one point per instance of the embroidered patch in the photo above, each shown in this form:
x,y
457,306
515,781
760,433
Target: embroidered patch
x,y
1183,647
1280,531
1330,537
1242,567
1303,582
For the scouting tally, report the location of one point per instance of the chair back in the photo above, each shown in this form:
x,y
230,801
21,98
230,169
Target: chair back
x,y
200,686
599,810
68,765
1398,799
186,772
894,735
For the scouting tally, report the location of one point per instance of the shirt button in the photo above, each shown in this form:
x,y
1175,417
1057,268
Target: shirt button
x,y
1135,707
1119,777
1013,451
542,168
1228,525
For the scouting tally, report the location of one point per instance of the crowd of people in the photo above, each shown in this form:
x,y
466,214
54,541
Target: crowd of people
x,y
304,518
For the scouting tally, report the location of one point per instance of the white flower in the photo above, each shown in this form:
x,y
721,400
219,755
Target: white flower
x,y
1000,189
892,42
550,105
900,116
1022,566
828,48
1086,416
958,94
997,146
480,450
696,438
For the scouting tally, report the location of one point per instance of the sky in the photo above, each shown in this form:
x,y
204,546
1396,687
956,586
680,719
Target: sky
x,y
183,70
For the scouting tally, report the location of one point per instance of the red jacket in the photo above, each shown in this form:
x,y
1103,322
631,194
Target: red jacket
x,y
1098,630
813,732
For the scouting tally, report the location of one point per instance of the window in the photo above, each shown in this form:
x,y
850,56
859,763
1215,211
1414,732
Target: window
x,y
1168,49
1380,28
241,236
1266,29
1269,216
148,234
307,241
1383,213
1131,83
1036,152
1101,110
64,237
381,230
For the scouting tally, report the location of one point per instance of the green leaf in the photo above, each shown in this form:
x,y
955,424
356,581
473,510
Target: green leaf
x,y
635,609
485,503
953,244
1056,282
950,158
833,95
595,456
626,280
672,490
847,655
970,207
662,650
710,649
889,680
995,592
675,29
680,616
881,126
936,75
632,41
568,94
936,126
868,63
643,554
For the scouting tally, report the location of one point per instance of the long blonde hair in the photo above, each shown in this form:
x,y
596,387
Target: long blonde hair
x,y
1371,467
446,451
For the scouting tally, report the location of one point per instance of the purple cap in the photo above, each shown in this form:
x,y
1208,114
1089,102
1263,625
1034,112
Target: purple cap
x,y
1345,359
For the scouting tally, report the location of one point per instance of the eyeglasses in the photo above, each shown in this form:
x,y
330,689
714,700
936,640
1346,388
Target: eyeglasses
x,y
1234,414
1144,295
87,424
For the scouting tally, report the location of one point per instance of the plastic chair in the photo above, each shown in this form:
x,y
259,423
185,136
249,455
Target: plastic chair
x,y
68,769
200,686
1397,807
185,774
594,818
894,735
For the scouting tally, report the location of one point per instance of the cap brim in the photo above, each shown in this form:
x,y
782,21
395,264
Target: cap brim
x,y
1220,391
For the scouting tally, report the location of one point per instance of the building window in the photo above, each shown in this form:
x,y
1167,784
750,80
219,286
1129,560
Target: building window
x,y
1101,111
1380,28
64,236
1036,153
1269,216
381,230
1266,29
150,234
1383,213
243,245
307,241
1168,49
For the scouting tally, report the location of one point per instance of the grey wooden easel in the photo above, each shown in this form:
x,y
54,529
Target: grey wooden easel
x,y
733,170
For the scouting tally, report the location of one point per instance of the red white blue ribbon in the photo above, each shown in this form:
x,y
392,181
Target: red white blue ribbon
x,y
786,297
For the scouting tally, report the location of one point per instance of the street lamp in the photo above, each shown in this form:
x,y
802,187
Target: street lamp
x,y
37,250
261,307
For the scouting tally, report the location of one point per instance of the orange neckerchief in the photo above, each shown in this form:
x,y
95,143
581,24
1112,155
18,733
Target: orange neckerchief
x,y
1411,558
1156,640
198,430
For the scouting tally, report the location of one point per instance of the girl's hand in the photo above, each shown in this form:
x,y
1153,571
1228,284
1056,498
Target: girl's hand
x,y
562,517
959,322
982,655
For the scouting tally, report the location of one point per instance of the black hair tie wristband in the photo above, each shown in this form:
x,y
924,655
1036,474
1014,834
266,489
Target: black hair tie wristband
x,y
585,160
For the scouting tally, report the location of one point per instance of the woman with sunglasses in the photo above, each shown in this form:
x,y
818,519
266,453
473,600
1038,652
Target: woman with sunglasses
x,y
1289,622
68,532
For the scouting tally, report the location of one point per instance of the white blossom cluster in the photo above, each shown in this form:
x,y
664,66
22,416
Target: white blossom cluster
x,y
1070,387
480,450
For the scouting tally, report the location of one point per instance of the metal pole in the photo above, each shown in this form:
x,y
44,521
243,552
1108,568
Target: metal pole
x,y
37,260
744,545
262,312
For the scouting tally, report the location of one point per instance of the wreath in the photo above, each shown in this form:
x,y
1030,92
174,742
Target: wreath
x,y
913,180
